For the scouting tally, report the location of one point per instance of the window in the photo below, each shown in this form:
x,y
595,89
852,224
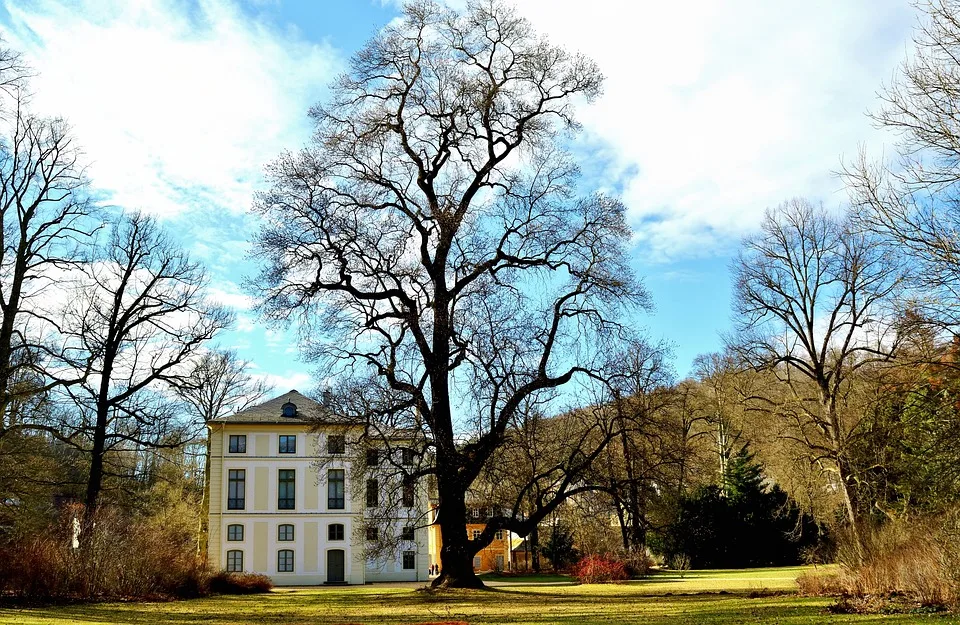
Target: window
x,y
407,495
285,561
234,532
336,444
409,560
236,489
238,443
406,457
373,457
499,535
373,493
285,533
288,443
335,489
407,533
476,534
234,560
286,491
335,531
373,533
477,563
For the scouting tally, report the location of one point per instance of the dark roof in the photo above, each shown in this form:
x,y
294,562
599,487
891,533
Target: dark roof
x,y
271,411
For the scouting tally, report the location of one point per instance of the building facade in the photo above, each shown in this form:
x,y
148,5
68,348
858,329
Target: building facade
x,y
281,501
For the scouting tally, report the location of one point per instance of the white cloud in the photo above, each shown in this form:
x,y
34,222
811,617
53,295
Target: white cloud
x,y
287,381
177,105
724,109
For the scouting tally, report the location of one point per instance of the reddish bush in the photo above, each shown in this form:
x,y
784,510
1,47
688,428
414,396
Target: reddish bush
x,y
239,583
600,570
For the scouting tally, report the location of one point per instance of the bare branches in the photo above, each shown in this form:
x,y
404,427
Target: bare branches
x,y
142,316
814,297
430,241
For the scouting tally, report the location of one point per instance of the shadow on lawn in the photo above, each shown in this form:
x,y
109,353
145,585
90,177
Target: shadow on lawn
x,y
477,608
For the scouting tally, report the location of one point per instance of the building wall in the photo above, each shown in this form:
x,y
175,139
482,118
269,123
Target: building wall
x,y
310,518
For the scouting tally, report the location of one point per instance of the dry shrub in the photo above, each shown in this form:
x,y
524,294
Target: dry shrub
x,y
638,564
120,558
225,583
820,585
600,570
916,558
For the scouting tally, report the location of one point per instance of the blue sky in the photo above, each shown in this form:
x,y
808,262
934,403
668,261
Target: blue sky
x,y
712,112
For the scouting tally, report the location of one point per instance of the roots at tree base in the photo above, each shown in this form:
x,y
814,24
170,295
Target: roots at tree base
x,y
466,580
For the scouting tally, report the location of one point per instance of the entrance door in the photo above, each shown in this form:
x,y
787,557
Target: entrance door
x,y
335,567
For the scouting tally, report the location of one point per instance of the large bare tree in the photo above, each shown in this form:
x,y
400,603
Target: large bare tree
x,y
432,244
811,297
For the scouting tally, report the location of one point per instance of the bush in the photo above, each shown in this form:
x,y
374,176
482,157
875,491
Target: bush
x,y
914,560
226,583
638,564
600,570
142,558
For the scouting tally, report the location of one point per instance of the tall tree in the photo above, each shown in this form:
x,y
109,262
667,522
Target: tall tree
x,y
431,243
810,296
46,221
915,200
142,317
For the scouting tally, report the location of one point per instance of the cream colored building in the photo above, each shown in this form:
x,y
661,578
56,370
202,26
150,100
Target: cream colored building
x,y
273,512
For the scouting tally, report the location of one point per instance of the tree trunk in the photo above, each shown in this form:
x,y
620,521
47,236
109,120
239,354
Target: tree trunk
x,y
535,548
843,473
456,554
95,480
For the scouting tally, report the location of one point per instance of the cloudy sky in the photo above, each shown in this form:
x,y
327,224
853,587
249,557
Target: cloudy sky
x,y
712,112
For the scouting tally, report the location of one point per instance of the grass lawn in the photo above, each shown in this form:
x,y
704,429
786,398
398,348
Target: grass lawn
x,y
643,601
532,578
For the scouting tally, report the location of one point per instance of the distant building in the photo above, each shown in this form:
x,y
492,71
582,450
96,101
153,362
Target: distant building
x,y
271,512
497,556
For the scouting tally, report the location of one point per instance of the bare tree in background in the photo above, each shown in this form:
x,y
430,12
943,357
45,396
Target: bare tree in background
x,y
219,384
142,317
431,244
810,298
914,202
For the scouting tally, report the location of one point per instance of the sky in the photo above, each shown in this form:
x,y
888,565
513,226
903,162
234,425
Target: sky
x,y
712,112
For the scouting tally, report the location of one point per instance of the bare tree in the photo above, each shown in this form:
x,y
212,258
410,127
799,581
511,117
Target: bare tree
x,y
220,383
142,317
632,467
914,201
431,244
810,297
47,222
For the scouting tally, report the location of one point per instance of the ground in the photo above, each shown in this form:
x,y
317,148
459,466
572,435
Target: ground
x,y
709,597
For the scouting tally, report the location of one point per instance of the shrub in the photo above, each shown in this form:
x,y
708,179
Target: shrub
x,y
916,559
638,564
121,558
239,583
597,569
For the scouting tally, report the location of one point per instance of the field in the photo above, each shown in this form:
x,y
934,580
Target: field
x,y
711,597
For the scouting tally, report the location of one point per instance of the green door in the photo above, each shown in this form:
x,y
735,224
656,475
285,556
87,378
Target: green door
x,y
335,568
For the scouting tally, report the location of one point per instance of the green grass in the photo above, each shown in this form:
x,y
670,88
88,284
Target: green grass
x,y
532,578
644,601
